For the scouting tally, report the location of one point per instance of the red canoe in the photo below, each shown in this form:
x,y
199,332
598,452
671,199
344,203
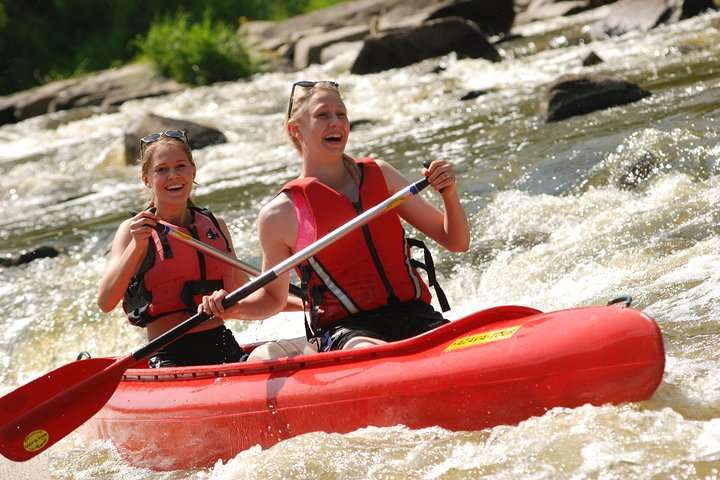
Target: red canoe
x,y
496,366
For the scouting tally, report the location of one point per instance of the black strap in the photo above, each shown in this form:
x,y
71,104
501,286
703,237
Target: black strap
x,y
311,298
390,295
137,297
429,267
167,251
198,287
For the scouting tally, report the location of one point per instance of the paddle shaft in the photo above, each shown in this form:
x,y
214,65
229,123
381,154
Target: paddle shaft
x,y
165,229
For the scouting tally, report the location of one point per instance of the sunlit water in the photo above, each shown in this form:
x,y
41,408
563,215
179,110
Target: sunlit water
x,y
555,224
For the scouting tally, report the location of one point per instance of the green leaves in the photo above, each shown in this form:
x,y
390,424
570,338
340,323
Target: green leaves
x,y
196,53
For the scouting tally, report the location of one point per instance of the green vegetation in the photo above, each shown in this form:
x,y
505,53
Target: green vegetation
x,y
196,53
192,41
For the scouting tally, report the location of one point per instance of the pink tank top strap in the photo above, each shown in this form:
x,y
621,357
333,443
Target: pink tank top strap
x,y
306,223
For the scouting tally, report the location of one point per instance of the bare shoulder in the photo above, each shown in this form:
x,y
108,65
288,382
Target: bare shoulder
x,y
122,238
277,220
280,208
122,235
393,178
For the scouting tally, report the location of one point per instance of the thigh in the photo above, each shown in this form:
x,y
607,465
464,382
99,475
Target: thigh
x,y
419,318
283,348
338,336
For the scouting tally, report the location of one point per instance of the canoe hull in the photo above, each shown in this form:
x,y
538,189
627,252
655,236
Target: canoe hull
x,y
496,366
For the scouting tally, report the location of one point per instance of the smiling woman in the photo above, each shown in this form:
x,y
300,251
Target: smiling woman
x,y
160,279
365,288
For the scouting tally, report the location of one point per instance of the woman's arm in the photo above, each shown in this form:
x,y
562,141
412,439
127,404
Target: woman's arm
x,y
294,304
448,227
129,248
277,229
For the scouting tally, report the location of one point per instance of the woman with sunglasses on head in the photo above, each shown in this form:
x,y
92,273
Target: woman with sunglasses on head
x,y
161,280
362,289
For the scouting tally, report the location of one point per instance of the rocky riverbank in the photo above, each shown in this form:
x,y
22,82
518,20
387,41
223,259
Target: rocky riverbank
x,y
383,34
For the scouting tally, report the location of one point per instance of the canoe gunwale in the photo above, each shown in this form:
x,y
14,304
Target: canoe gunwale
x,y
403,347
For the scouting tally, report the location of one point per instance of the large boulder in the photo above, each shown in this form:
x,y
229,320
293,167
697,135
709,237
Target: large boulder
x,y
271,35
115,86
309,49
643,15
545,9
106,89
405,46
198,136
27,256
494,17
30,103
571,95
314,37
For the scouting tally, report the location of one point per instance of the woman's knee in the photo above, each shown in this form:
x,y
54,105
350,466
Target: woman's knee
x,y
283,348
362,341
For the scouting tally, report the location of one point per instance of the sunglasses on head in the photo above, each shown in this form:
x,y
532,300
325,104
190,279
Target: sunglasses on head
x,y
154,137
306,84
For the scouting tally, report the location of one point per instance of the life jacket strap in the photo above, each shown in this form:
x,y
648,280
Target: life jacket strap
x,y
429,267
198,287
311,302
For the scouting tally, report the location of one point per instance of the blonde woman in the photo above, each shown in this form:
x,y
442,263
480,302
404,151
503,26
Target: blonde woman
x,y
364,288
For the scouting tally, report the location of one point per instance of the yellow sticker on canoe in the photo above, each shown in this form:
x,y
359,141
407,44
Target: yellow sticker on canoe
x,y
487,337
36,440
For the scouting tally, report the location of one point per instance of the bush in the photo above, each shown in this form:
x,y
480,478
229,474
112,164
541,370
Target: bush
x,y
196,53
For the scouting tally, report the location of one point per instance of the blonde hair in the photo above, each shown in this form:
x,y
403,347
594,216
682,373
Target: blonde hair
x,y
298,103
147,154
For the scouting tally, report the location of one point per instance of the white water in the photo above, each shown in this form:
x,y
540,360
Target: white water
x,y
553,227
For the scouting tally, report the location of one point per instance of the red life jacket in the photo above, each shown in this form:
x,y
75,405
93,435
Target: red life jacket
x,y
174,276
366,269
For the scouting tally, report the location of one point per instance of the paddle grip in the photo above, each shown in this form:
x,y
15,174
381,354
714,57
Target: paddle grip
x,y
426,164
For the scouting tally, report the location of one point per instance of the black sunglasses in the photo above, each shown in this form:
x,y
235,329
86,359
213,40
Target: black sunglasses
x,y
154,137
306,84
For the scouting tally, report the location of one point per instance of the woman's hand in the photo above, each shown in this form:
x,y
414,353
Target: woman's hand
x,y
142,225
441,176
212,304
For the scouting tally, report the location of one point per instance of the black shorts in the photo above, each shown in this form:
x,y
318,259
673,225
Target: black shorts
x,y
389,323
209,347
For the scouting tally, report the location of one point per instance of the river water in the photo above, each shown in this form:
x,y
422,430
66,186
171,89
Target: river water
x,y
573,213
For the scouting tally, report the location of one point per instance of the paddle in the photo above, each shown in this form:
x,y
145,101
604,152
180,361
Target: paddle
x,y
165,229
38,414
